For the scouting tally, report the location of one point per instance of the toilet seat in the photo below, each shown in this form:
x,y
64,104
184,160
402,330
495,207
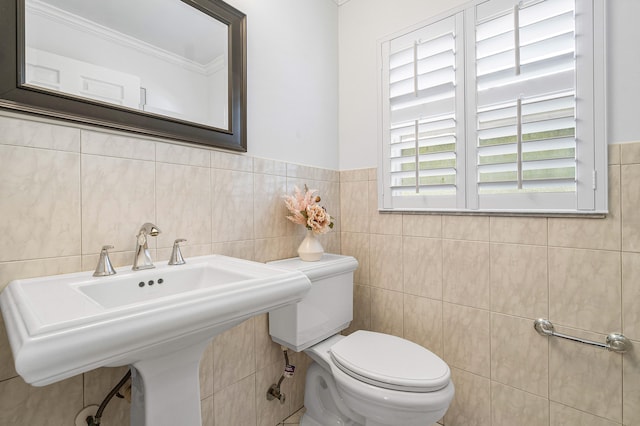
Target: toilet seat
x,y
390,362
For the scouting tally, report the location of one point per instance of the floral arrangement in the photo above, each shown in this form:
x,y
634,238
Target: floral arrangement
x,y
305,210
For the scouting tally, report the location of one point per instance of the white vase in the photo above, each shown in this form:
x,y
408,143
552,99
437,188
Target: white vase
x,y
310,249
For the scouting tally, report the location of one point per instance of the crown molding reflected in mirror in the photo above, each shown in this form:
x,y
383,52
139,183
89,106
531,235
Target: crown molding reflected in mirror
x,y
195,92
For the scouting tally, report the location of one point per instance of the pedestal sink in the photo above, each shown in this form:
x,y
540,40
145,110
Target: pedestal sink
x,y
158,321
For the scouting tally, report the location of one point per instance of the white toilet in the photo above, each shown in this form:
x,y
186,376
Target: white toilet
x,y
366,378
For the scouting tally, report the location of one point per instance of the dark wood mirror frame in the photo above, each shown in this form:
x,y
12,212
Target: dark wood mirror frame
x,y
14,96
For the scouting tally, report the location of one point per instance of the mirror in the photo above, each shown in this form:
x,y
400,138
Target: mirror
x,y
168,68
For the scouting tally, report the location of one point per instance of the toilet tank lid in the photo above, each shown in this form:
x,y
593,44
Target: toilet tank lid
x,y
329,265
390,362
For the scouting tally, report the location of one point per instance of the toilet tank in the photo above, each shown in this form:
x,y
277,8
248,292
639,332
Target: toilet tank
x,y
325,310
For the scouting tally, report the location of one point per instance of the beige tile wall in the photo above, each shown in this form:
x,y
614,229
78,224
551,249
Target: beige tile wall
x,y
68,190
65,191
469,288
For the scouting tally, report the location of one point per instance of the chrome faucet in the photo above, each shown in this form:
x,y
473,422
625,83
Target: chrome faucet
x,y
176,255
142,257
104,267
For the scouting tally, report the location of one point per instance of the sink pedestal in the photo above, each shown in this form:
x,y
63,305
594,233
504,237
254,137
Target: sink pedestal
x,y
166,389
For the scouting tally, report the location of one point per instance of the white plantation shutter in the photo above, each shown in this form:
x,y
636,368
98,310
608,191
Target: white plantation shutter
x,y
424,114
525,134
528,76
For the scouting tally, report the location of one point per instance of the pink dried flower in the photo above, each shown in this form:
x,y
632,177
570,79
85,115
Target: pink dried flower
x,y
318,220
304,210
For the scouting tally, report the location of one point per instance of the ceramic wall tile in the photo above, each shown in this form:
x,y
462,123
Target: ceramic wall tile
x,y
206,411
591,233
294,387
423,322
630,207
422,266
330,193
386,311
420,225
373,173
330,241
232,208
269,249
382,223
118,259
206,372
466,273
631,295
231,161
631,386
357,245
235,405
471,405
181,154
585,377
183,204
474,228
234,354
10,271
270,213
510,406
269,167
187,250
118,196
7,369
117,145
240,249
97,385
613,154
585,289
519,280
40,206
385,261
519,230
36,134
271,412
295,418
515,344
309,172
468,342
354,175
561,415
630,153
56,404
267,351
361,309
354,203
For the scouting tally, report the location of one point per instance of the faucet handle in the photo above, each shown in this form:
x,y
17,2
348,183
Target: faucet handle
x,y
104,267
176,255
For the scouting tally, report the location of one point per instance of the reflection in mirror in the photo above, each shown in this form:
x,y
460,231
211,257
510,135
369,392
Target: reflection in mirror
x,y
108,51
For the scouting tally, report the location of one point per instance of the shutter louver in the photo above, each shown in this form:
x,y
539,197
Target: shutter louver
x,y
526,106
422,119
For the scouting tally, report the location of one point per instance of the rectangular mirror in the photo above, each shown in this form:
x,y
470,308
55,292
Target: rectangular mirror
x,y
166,68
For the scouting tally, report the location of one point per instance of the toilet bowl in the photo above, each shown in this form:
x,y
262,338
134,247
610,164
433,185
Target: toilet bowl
x,y
366,378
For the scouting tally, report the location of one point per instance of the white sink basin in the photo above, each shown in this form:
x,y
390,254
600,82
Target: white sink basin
x,y
157,320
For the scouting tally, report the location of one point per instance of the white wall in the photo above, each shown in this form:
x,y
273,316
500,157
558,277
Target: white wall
x,y
292,80
363,22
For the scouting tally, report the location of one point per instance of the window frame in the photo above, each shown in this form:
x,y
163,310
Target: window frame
x,y
590,197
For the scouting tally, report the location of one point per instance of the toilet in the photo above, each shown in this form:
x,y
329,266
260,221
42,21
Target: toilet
x,y
366,378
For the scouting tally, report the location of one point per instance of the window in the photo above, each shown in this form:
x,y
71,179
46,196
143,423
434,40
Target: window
x,y
498,106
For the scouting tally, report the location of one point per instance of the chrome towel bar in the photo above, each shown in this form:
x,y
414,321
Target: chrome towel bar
x,y
615,342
